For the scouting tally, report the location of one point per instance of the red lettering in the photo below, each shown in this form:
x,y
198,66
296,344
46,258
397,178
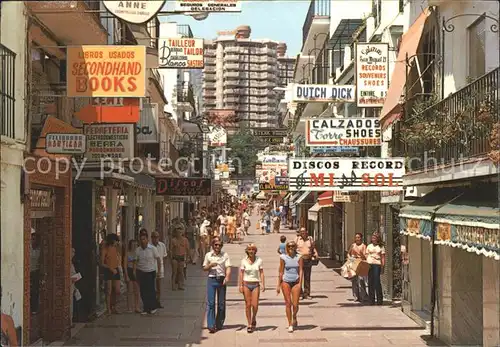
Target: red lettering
x,y
379,180
133,85
106,84
81,84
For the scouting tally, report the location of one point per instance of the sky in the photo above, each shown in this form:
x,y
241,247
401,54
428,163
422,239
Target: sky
x,y
269,19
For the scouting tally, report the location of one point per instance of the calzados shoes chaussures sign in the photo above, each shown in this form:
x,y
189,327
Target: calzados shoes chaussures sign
x,y
135,12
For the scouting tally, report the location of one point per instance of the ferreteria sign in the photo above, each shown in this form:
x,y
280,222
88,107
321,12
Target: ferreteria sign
x,y
372,76
174,53
347,174
115,141
136,12
343,132
323,93
207,6
106,71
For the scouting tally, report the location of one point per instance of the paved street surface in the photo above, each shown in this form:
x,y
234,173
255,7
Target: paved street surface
x,y
331,318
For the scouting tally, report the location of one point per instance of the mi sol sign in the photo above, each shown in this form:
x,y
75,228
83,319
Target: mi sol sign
x,y
347,174
106,71
184,186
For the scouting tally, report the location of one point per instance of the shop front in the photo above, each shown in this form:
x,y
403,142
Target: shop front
x,y
460,229
47,249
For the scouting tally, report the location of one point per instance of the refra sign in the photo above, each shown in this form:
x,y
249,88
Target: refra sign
x,y
372,76
346,174
106,71
343,132
323,93
174,53
136,12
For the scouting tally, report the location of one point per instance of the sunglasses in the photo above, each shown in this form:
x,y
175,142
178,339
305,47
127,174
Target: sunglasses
x,y
217,245
290,246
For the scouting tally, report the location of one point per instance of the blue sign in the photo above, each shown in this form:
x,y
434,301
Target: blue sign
x,y
335,149
281,180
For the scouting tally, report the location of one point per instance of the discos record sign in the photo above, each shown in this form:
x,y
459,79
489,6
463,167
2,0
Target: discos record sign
x,y
136,12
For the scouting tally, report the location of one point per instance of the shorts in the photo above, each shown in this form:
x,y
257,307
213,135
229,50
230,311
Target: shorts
x,y
109,276
130,273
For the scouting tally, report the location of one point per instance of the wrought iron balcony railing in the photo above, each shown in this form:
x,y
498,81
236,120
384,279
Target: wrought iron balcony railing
x,y
456,128
317,8
7,91
184,30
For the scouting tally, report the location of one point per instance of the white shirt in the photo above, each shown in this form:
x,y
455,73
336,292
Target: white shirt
x,y
246,216
374,254
223,219
222,259
162,251
147,258
203,228
251,270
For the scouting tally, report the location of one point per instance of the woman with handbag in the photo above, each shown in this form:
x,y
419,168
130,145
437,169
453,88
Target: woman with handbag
x,y
307,250
357,251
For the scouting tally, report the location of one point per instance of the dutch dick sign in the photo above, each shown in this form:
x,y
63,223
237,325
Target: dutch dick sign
x,y
323,93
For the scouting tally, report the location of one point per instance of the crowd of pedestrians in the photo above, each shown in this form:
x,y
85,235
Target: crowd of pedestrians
x,y
201,239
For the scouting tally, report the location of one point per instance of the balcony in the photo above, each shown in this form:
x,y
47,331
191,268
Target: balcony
x,y
7,91
210,61
185,31
72,22
453,131
208,85
185,97
317,21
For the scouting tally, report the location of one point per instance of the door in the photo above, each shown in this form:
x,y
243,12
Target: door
x,y
40,284
396,256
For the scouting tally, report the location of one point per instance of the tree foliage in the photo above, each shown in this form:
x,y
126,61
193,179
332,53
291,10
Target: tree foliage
x,y
244,147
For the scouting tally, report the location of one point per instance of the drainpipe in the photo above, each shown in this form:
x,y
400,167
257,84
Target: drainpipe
x,y
434,262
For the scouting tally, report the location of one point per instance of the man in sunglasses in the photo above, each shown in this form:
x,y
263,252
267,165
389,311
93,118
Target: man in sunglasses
x,y
218,266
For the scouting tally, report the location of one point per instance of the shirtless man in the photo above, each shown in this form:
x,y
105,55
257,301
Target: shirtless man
x,y
179,247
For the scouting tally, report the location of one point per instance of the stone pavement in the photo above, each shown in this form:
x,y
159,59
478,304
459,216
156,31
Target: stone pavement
x,y
331,318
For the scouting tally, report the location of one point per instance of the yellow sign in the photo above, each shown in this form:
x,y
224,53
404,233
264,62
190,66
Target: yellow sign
x,y
106,71
443,231
413,226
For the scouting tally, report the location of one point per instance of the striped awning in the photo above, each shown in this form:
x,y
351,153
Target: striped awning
x,y
326,199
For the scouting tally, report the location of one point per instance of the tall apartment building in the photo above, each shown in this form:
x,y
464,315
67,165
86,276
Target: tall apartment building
x,y
242,74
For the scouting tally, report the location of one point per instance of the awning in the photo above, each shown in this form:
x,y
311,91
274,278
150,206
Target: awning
x,y
326,199
261,196
392,109
312,214
426,206
301,198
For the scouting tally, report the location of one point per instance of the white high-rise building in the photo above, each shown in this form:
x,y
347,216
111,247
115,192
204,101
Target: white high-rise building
x,y
241,74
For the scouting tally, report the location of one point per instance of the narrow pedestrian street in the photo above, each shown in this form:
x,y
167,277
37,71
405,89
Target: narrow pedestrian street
x,y
331,318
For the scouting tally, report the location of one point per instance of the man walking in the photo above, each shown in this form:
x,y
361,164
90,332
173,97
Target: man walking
x,y
307,251
160,274
179,248
148,260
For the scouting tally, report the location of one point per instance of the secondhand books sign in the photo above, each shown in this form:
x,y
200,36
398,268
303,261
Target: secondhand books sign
x,y
175,53
114,141
106,71
343,132
347,174
323,93
184,186
372,75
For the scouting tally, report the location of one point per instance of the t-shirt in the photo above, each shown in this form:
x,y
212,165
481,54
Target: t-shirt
x,y
222,259
162,251
282,247
291,273
147,258
374,254
251,270
222,219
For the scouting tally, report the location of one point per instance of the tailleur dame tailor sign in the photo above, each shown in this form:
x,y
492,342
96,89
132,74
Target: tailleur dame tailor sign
x,y
348,174
343,132
323,93
174,53
184,186
135,12
372,76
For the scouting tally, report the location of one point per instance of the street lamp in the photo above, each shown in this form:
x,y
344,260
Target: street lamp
x,y
199,15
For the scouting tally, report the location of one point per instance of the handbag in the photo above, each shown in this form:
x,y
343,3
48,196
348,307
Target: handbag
x,y
314,261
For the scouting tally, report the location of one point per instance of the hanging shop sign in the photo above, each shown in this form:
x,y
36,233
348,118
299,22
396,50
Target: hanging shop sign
x,y
217,137
135,12
147,128
372,75
184,186
65,143
207,6
114,141
110,110
41,200
175,53
278,183
271,140
343,132
323,93
106,71
335,149
345,196
477,236
270,132
443,231
413,226
348,174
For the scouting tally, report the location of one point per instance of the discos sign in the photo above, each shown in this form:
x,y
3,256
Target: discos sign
x,y
106,71
136,12
348,174
343,132
177,53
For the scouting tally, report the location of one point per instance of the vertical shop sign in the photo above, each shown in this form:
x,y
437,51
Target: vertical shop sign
x,y
372,75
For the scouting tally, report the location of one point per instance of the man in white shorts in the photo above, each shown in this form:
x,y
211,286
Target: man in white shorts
x,y
162,251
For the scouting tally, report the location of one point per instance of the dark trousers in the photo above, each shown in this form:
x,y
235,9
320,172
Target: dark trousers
x,y
147,286
34,290
306,291
216,318
374,284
